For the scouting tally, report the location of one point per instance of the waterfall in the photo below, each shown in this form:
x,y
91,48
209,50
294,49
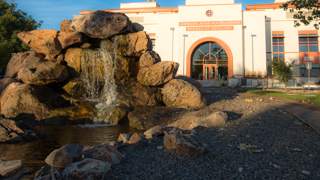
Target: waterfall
x,y
100,64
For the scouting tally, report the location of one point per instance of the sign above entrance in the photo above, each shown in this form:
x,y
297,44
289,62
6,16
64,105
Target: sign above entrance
x,y
210,28
208,23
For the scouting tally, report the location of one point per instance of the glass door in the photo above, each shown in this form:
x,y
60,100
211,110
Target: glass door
x,y
209,72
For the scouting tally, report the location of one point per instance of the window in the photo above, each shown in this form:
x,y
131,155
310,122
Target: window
x,y
152,37
209,13
308,42
314,72
278,44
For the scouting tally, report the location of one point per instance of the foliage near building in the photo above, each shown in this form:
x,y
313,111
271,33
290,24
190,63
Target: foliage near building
x,y
283,70
12,22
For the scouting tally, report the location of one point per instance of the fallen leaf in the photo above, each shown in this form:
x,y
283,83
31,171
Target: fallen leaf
x,y
160,147
240,170
249,100
296,149
234,135
305,172
251,146
311,155
276,166
255,151
221,129
242,146
229,145
247,136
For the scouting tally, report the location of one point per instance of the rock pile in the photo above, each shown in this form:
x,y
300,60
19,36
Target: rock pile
x,y
71,72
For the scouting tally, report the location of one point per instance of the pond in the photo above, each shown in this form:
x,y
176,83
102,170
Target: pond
x,y
33,153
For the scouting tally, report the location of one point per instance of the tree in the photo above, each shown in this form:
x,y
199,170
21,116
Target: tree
x,y
307,11
282,70
12,22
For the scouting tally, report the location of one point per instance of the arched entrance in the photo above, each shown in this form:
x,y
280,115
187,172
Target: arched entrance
x,y
209,59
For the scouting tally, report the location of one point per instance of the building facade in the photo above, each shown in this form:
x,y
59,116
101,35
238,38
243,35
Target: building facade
x,y
213,41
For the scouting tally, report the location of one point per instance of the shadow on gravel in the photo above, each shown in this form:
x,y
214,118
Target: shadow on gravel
x,y
232,116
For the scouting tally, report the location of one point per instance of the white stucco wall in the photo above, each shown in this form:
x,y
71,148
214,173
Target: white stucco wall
x,y
198,2
139,5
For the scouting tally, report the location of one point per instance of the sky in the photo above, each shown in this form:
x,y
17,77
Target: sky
x,y
52,12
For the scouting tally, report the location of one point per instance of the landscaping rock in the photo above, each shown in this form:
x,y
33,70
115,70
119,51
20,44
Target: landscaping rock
x,y
180,93
72,57
10,168
102,25
206,117
88,169
65,26
42,41
137,27
67,39
124,138
149,58
155,131
67,154
5,82
192,81
138,140
47,173
174,141
104,152
158,74
76,88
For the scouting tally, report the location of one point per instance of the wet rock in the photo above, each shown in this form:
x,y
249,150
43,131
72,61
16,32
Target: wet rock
x,y
206,117
133,94
18,99
89,169
149,58
67,154
180,93
65,26
102,25
76,88
138,140
67,39
155,131
11,131
72,57
104,152
182,146
192,81
10,168
47,173
5,82
158,74
42,41
124,137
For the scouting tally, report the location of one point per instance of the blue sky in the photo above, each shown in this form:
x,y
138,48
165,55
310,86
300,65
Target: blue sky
x,y
52,12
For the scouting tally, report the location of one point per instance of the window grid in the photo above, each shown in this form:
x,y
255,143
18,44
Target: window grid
x,y
308,42
278,45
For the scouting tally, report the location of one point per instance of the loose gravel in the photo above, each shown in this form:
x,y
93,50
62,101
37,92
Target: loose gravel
x,y
291,149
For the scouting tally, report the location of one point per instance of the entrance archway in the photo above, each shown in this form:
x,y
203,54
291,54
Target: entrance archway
x,y
208,59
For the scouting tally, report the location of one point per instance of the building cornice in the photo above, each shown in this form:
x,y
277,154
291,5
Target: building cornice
x,y
137,10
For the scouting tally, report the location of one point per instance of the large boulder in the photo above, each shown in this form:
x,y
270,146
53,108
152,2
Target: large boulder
x,y
42,41
102,25
158,74
73,59
89,169
47,173
103,152
192,81
133,94
11,131
67,154
5,82
76,88
182,146
180,93
206,118
138,140
67,39
149,58
146,117
28,99
31,69
10,168
65,26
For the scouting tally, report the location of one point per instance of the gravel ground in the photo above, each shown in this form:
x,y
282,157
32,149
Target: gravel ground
x,y
291,150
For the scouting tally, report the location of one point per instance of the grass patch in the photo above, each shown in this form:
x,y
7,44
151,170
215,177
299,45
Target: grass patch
x,y
298,97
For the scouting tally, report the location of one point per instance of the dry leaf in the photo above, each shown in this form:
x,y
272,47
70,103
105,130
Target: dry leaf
x,y
247,136
160,147
255,151
251,146
296,149
276,166
233,135
240,170
249,100
311,155
229,145
305,172
221,129
242,147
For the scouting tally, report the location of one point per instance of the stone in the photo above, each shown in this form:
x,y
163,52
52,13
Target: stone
x,y
11,131
137,27
102,25
123,137
42,41
47,173
208,118
75,88
27,99
5,82
180,93
187,147
133,94
146,117
138,140
67,39
30,69
88,169
149,58
104,152
155,131
158,74
192,81
67,154
10,168
65,26
119,113
72,57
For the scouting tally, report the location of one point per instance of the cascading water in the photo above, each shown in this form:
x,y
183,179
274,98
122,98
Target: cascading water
x,y
101,86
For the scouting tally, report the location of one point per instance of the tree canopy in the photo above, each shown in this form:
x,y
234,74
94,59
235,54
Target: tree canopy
x,y
12,22
282,70
307,11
